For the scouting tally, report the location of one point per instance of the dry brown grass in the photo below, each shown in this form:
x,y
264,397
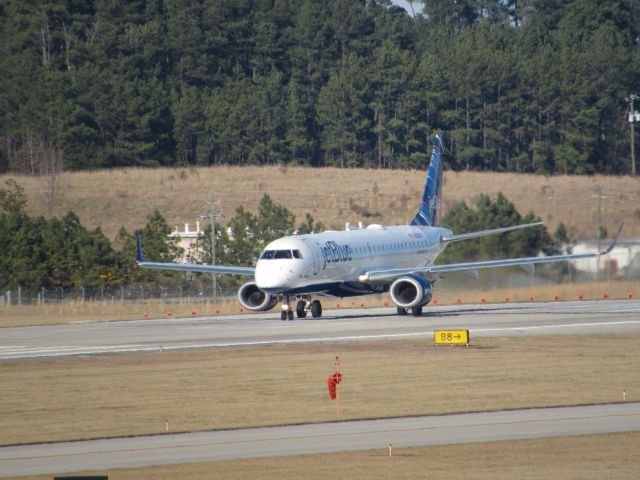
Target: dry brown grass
x,y
75,311
125,197
213,389
594,457
541,293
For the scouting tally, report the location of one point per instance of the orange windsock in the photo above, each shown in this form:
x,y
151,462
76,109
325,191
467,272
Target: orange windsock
x,y
332,382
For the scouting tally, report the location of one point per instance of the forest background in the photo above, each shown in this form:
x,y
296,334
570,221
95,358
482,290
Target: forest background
x,y
519,85
536,86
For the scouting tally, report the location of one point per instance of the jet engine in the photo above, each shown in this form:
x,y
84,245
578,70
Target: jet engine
x,y
410,291
252,298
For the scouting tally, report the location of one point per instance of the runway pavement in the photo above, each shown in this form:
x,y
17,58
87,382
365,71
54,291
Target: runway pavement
x,y
91,338
317,438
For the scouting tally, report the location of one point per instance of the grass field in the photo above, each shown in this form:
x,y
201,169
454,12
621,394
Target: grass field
x,y
125,197
104,396
134,394
74,311
594,457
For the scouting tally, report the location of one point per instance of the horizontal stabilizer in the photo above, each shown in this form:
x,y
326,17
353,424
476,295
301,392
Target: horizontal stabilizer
x,y
484,233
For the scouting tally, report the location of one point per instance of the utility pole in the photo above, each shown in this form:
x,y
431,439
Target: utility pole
x,y
633,118
553,195
599,195
214,213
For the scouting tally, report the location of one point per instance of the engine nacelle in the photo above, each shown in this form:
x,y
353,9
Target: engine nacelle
x,y
252,298
410,291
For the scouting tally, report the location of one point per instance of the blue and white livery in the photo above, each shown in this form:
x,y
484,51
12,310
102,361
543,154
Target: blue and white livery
x,y
377,259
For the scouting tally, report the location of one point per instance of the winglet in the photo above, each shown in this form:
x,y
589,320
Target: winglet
x,y
615,240
139,257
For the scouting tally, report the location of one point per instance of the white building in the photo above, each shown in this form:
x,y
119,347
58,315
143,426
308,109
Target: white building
x,y
625,257
187,240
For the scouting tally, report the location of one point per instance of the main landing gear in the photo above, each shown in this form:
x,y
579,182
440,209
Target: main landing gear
x,y
303,306
415,311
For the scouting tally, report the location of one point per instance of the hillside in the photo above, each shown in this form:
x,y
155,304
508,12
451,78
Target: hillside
x,y
110,199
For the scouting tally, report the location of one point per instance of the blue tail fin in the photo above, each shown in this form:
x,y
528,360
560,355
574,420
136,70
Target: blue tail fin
x,y
430,208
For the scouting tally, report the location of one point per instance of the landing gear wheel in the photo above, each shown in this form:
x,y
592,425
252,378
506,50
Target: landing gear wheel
x,y
301,311
290,314
416,311
283,315
316,309
401,311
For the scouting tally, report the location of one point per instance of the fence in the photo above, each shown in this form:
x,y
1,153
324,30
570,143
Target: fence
x,y
459,281
140,294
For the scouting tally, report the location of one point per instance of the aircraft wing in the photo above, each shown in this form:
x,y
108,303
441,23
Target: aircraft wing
x,y
190,267
382,275
201,268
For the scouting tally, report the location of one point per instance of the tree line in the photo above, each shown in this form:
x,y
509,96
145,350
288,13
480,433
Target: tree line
x,y
40,253
522,86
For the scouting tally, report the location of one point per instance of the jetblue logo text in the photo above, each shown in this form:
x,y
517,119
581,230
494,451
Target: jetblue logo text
x,y
334,253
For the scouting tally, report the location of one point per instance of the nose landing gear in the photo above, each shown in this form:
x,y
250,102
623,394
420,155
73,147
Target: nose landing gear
x,y
286,313
415,311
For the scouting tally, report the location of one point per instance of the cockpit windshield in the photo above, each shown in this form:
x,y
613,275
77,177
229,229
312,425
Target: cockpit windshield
x,y
280,254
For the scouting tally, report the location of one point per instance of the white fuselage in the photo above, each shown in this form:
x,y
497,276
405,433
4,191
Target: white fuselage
x,y
339,257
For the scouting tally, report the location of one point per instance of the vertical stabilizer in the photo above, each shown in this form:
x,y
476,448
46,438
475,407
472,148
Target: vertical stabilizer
x,y
430,208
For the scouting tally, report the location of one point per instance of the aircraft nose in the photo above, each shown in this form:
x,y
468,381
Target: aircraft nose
x,y
274,277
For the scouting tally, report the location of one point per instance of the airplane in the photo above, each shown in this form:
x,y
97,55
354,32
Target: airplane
x,y
361,261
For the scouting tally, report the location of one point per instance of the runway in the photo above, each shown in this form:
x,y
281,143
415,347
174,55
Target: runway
x,y
317,438
93,338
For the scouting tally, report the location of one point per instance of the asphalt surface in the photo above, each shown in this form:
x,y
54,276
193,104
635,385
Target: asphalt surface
x,y
91,338
94,338
318,438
